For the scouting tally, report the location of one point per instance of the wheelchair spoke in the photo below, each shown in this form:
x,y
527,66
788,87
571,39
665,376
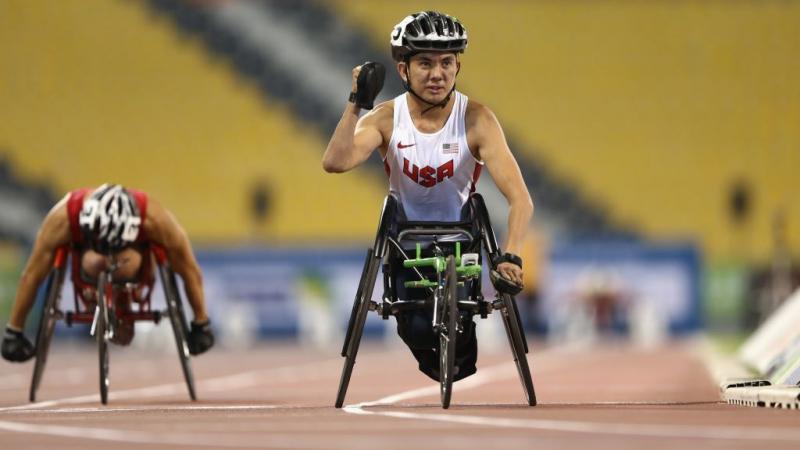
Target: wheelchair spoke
x,y
448,332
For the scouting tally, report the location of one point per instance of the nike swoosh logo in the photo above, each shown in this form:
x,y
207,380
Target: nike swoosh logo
x,y
401,146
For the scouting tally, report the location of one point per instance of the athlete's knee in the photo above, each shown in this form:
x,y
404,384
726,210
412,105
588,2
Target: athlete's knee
x,y
128,262
92,263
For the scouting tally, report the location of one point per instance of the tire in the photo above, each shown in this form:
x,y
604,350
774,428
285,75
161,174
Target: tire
x,y
509,312
448,332
519,324
516,340
101,334
47,324
359,318
180,328
356,302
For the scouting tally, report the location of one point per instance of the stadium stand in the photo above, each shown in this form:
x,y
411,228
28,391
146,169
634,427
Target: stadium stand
x,y
107,90
654,129
653,108
296,51
24,205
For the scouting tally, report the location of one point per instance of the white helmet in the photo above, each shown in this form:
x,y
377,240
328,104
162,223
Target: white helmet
x,y
427,31
110,219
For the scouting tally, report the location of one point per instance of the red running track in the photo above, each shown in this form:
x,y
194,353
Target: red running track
x,y
281,397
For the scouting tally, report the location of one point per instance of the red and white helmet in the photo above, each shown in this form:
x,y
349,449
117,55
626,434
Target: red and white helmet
x,y
110,219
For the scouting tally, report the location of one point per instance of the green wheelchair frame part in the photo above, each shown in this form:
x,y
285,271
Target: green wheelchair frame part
x,y
439,264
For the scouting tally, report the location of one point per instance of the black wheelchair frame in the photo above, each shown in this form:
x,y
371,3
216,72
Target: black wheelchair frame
x,y
102,325
445,324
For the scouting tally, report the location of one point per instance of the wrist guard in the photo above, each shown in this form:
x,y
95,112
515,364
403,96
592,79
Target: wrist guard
x,y
501,284
368,85
200,337
508,257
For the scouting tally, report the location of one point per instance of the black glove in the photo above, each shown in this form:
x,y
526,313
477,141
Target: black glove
x,y
368,84
502,284
200,338
16,347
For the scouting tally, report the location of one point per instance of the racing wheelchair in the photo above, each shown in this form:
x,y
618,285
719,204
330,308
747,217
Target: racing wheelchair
x,y
100,308
451,278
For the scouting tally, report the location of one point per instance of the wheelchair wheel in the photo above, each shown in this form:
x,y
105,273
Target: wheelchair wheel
x,y
447,329
519,324
47,325
102,330
357,320
356,302
516,340
180,328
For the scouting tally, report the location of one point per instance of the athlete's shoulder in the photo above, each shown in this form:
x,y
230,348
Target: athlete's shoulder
x,y
476,109
155,219
142,200
55,229
380,117
479,115
383,110
60,208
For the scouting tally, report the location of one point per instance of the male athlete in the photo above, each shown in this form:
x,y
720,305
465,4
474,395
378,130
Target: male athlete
x,y
102,226
434,142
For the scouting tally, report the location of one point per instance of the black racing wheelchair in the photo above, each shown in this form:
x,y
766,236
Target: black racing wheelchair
x,y
446,269
99,305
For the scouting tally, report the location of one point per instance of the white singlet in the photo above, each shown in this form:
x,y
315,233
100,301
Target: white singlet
x,y
432,174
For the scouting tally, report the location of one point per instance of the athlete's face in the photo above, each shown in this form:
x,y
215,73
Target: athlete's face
x,y
431,75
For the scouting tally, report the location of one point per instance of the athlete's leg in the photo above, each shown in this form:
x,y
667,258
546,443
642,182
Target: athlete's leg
x,y
416,330
466,349
129,261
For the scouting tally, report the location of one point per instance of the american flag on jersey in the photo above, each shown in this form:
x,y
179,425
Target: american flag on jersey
x,y
450,148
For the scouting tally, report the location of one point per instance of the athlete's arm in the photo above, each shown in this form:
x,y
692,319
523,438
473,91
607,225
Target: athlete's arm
x,y
488,140
354,139
162,227
53,234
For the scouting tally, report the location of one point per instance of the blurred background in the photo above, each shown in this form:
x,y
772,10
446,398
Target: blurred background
x,y
659,140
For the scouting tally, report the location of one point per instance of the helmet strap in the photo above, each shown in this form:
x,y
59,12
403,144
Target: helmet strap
x,y
407,86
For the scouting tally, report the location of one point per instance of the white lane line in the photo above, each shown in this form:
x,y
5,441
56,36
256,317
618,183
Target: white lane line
x,y
153,409
64,377
620,429
94,433
222,383
245,379
303,372
282,441
364,439
495,373
483,376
